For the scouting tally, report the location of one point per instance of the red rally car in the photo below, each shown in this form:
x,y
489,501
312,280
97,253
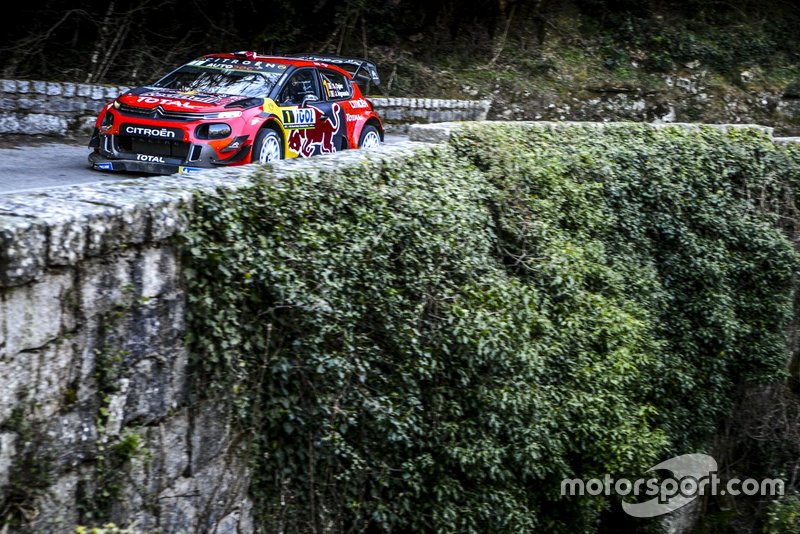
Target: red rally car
x,y
236,108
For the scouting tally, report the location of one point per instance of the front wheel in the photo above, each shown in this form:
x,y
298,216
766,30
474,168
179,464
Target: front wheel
x,y
370,138
267,147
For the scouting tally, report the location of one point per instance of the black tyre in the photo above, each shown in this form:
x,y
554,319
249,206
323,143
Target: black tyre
x,y
370,137
267,147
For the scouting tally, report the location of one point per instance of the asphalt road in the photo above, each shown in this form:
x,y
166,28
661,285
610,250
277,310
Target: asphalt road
x,y
36,164
31,167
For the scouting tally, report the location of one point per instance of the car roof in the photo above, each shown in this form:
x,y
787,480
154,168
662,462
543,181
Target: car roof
x,y
285,60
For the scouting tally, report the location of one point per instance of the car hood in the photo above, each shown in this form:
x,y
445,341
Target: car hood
x,y
172,100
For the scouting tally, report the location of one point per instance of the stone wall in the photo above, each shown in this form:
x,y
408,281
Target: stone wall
x,y
398,113
51,108
95,421
54,108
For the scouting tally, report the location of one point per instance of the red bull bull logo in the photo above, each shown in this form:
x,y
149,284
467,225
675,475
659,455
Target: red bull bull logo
x,y
320,138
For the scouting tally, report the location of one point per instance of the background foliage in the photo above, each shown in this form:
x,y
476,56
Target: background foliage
x,y
433,343
426,48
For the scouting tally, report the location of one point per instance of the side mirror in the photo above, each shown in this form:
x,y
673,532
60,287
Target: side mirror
x,y
309,99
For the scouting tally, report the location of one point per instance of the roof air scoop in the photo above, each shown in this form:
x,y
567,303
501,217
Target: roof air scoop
x,y
249,54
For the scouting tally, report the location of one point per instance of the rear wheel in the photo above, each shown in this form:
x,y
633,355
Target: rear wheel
x,y
267,147
370,138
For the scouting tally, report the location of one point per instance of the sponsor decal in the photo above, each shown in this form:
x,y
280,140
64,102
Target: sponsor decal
x,y
307,142
145,131
353,118
359,104
237,64
335,89
189,170
186,96
334,60
164,101
147,157
296,118
104,166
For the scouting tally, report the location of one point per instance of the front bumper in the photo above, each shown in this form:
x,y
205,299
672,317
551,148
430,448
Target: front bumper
x,y
110,154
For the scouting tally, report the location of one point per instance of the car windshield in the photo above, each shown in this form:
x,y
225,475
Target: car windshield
x,y
229,82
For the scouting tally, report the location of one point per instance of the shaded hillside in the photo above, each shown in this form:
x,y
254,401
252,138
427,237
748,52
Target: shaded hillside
x,y
699,60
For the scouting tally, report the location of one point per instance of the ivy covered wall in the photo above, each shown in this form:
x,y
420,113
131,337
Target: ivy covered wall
x,y
432,342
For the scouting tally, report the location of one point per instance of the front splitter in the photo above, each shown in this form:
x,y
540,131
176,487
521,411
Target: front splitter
x,y
148,167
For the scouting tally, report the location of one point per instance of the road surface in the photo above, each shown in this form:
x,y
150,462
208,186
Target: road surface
x,y
33,164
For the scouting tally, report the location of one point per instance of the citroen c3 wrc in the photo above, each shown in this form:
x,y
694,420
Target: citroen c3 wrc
x,y
236,108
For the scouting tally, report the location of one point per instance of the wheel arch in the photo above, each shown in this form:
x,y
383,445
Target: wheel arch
x,y
273,123
270,123
372,121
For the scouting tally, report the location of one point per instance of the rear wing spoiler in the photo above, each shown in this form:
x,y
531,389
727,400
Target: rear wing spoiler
x,y
357,68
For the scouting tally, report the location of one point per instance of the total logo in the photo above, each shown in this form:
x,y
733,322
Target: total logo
x,y
164,101
146,157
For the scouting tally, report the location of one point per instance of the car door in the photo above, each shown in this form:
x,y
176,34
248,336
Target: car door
x,y
335,90
311,127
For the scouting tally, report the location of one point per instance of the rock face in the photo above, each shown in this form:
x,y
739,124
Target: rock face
x,y
96,424
687,95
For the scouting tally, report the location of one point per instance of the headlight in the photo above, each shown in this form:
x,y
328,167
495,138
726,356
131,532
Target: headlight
x,y
223,115
213,131
117,104
218,131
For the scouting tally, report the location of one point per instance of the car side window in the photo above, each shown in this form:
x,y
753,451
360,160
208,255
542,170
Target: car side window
x,y
300,85
335,86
